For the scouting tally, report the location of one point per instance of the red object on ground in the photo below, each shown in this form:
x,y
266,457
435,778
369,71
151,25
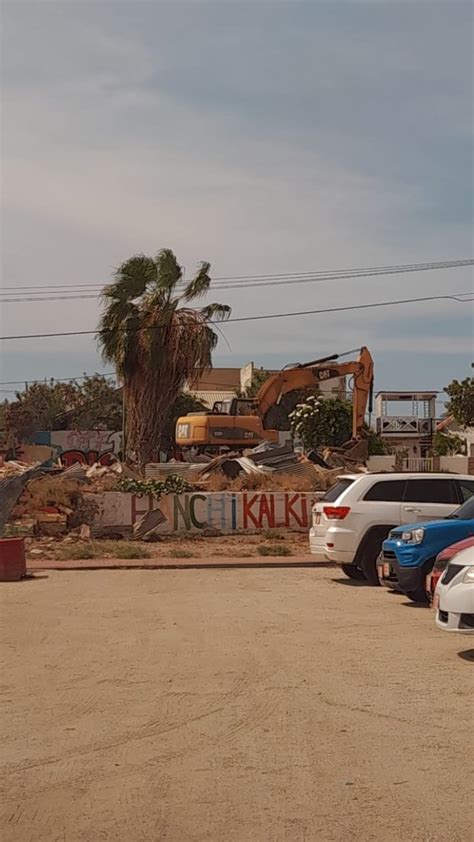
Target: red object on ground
x,y
12,559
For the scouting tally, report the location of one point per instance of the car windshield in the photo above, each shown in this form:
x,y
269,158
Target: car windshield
x,y
465,512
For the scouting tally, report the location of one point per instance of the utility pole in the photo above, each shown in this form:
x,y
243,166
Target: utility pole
x,y
124,406
130,324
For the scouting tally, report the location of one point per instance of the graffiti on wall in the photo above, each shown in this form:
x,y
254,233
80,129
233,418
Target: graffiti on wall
x,y
84,446
221,510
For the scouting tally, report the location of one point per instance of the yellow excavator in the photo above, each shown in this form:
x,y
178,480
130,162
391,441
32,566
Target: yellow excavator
x,y
245,422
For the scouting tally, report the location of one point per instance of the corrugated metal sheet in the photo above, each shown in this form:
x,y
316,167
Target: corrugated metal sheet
x,y
161,470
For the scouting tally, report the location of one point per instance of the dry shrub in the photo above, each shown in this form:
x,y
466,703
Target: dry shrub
x,y
259,482
77,553
49,491
274,550
182,554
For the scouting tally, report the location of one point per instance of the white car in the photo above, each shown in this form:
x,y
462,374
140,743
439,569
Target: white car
x,y
454,595
355,516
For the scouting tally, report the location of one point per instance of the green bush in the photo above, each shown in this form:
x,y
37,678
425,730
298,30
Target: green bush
x,y
173,484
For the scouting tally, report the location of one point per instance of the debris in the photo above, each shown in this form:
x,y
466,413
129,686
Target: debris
x,y
13,479
54,526
147,523
267,460
187,470
66,510
24,528
36,551
84,532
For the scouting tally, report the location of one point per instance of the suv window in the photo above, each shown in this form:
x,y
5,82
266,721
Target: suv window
x,y
389,492
431,491
336,491
467,488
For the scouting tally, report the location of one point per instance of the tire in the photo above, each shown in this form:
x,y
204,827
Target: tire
x,y
352,571
417,596
369,554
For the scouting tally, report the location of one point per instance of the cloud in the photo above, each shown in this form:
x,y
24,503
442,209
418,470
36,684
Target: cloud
x,y
276,137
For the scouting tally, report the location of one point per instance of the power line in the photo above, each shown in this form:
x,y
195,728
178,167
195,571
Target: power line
x,y
200,386
414,266
56,379
256,280
452,297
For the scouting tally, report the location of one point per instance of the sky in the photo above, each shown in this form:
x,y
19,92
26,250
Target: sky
x,y
264,137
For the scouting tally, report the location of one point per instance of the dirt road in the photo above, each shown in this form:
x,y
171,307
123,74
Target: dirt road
x,y
238,705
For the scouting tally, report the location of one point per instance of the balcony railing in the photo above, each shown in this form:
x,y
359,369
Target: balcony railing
x,y
404,425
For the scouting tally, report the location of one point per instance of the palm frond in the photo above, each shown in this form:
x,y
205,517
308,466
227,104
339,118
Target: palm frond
x,y
216,312
169,272
118,317
200,283
132,278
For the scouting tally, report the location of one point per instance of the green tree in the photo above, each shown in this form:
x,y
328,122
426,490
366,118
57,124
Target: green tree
x,y
40,407
156,341
445,444
93,404
377,445
100,406
461,401
322,422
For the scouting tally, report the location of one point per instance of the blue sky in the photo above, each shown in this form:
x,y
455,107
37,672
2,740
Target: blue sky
x,y
261,136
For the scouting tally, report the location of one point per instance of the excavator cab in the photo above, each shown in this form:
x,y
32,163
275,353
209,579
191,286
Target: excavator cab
x,y
235,406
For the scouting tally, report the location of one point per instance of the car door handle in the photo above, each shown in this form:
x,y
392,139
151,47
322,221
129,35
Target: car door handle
x,y
412,509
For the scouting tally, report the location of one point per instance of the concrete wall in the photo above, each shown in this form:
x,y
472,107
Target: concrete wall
x,y
456,464
84,446
194,512
381,463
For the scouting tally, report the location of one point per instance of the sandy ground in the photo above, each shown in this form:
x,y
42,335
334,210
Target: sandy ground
x,y
252,705
197,546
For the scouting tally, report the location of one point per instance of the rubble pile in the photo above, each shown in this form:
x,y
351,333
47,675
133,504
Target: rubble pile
x,y
270,467
54,502
51,503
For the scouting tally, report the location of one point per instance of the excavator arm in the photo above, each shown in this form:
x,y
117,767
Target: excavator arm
x,y
310,374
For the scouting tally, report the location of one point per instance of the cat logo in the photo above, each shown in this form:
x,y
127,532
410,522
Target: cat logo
x,y
182,431
326,374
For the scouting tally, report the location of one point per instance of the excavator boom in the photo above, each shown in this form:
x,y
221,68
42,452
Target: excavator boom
x,y
311,374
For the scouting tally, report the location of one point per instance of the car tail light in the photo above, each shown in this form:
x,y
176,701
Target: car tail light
x,y
336,512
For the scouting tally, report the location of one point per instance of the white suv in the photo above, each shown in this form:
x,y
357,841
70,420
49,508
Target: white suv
x,y
355,516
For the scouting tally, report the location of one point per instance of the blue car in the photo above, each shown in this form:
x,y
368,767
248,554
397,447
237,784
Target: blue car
x,y
409,552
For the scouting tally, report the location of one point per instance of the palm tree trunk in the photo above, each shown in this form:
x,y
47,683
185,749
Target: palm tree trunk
x,y
148,400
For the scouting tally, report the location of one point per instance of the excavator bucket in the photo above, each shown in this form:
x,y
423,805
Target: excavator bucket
x,y
351,453
357,451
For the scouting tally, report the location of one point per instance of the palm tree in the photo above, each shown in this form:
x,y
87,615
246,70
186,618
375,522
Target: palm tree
x,y
155,344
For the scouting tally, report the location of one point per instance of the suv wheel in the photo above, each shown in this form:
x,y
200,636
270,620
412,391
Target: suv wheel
x,y
420,594
417,596
369,552
352,571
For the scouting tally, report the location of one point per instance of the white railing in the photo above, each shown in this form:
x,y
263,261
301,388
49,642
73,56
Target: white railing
x,y
415,464
400,424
